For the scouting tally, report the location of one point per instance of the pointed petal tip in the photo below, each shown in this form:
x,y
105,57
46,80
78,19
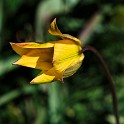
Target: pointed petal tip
x,y
34,82
31,82
54,20
54,30
11,43
14,63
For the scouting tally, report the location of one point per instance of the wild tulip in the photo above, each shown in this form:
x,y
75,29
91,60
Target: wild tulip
x,y
56,59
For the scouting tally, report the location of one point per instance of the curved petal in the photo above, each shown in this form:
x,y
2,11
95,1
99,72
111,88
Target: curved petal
x,y
65,49
67,36
37,58
53,72
47,77
42,78
69,66
22,48
54,30
72,68
66,56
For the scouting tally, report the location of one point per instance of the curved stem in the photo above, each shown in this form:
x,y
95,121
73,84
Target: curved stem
x,y
109,77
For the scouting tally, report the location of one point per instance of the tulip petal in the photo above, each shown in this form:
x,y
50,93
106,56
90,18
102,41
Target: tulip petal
x,y
65,49
37,58
54,30
72,68
69,66
22,48
66,56
47,77
53,72
42,78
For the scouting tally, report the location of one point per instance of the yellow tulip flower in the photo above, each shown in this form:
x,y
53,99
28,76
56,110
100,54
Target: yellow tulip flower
x,y
57,59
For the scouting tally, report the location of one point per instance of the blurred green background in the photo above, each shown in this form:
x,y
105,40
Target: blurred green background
x,y
84,98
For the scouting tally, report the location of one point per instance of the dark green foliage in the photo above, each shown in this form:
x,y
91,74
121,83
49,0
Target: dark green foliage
x,y
84,98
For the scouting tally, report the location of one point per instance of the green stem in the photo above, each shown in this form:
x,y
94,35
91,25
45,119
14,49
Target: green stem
x,y
110,80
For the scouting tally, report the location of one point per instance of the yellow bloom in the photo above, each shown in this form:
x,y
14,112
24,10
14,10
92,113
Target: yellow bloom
x,y
57,59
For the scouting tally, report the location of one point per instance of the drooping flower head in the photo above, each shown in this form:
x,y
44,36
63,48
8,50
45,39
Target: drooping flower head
x,y
56,59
